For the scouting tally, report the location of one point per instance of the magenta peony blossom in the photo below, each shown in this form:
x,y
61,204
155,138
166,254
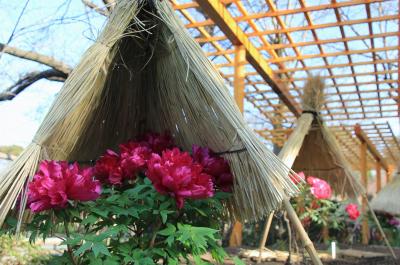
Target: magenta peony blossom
x,y
215,166
108,168
393,221
134,157
175,173
300,177
56,182
80,186
352,211
158,142
319,188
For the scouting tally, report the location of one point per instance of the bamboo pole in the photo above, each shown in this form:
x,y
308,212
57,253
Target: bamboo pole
x,y
379,227
265,235
235,238
364,179
308,244
288,155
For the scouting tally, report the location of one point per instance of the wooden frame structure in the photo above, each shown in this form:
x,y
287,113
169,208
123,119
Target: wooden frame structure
x,y
266,49
357,55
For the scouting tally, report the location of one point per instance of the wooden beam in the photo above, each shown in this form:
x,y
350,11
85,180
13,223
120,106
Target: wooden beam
x,y
239,74
304,28
217,12
305,43
279,71
363,118
329,41
384,72
332,54
362,136
276,13
325,25
388,61
364,180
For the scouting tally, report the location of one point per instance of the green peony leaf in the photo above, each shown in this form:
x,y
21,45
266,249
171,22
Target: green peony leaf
x,y
98,248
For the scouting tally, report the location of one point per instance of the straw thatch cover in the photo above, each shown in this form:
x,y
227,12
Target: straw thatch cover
x,y
320,154
145,73
387,200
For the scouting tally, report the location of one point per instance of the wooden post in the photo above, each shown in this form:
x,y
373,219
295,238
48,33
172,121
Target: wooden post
x,y
386,177
390,171
364,179
325,234
378,176
235,238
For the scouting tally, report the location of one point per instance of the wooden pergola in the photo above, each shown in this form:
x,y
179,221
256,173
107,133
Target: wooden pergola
x,y
266,49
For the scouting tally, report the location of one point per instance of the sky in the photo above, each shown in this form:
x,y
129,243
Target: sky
x,y
40,29
63,29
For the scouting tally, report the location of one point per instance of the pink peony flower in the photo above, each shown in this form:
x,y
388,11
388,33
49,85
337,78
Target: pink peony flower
x,y
215,166
300,177
134,157
108,168
319,188
174,173
158,142
56,182
352,211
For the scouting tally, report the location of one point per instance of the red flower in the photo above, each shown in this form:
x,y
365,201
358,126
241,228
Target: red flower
x,y
300,177
319,188
174,173
158,142
352,211
56,182
215,166
134,157
81,186
108,168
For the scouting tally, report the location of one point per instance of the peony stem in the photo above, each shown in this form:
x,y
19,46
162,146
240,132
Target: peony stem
x,y
69,249
156,228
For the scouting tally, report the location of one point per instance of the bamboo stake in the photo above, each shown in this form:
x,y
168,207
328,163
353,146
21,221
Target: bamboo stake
x,y
265,235
288,155
308,244
379,227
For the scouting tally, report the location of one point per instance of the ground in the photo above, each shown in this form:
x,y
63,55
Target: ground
x,y
353,255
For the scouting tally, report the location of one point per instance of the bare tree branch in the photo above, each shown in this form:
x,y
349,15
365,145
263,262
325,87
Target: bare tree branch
x,y
98,9
36,57
29,79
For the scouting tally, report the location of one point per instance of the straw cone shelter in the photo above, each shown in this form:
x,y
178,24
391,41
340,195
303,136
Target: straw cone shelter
x,y
145,73
387,200
313,149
